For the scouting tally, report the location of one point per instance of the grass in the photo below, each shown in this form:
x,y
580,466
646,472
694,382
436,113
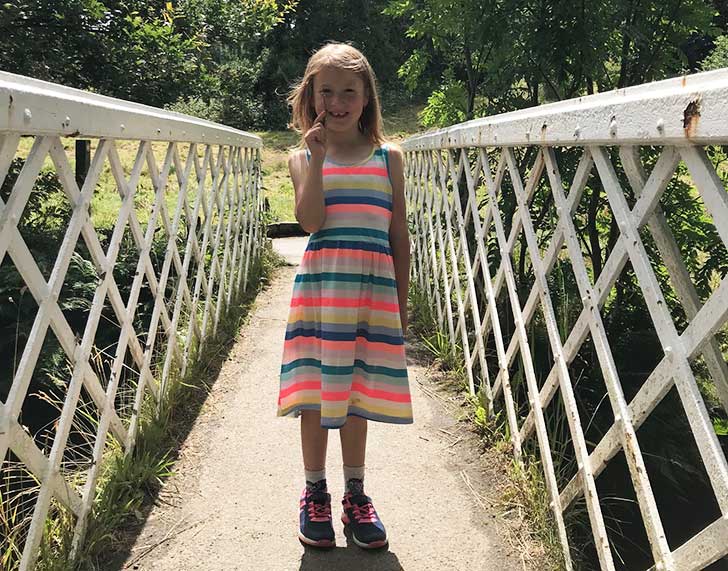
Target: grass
x,y
106,201
277,145
402,123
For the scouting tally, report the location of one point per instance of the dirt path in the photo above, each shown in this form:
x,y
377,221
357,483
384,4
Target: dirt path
x,y
234,501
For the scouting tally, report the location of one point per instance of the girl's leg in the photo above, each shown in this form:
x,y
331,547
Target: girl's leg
x,y
354,441
359,514
313,441
315,504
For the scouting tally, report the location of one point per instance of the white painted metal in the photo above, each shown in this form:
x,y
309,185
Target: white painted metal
x,y
34,107
226,213
649,114
682,115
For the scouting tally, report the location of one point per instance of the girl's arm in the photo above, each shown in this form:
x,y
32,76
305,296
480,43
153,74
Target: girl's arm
x,y
308,186
308,183
398,232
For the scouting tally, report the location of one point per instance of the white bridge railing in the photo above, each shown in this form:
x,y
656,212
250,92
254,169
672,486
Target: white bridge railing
x,y
471,191
192,213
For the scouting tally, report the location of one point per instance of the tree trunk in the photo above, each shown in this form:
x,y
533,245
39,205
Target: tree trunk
x,y
593,230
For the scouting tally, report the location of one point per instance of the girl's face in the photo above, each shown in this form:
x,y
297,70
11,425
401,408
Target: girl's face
x,y
342,93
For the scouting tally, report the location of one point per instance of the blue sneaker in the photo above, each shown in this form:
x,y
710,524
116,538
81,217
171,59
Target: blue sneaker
x,y
367,529
316,528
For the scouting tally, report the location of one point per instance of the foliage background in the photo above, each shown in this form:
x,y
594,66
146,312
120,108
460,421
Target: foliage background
x,y
235,60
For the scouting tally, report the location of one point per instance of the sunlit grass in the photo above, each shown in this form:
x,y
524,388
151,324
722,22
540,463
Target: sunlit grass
x,y
106,201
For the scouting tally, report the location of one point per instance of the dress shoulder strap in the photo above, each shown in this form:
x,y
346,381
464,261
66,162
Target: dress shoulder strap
x,y
385,154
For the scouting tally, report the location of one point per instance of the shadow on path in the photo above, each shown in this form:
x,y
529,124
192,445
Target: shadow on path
x,y
349,558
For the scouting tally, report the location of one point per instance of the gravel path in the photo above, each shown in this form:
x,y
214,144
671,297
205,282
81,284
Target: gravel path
x,y
233,503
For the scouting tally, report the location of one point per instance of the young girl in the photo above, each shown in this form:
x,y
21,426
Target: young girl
x,y
343,358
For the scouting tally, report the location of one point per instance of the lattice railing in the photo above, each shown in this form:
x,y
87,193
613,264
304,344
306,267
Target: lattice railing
x,y
168,223
608,198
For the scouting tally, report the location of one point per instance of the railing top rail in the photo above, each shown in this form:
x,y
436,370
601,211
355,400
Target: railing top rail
x,y
35,107
689,110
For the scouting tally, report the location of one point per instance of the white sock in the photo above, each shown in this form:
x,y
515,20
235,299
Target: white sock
x,y
354,473
313,476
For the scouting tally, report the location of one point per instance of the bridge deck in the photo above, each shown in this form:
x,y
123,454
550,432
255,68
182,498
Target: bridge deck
x,y
234,502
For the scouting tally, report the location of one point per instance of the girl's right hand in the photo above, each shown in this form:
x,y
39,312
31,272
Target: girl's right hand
x,y
315,138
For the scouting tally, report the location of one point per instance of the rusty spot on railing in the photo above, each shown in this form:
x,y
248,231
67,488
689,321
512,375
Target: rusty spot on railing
x,y
691,115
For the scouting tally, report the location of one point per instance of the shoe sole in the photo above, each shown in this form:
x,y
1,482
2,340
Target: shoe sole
x,y
322,543
372,545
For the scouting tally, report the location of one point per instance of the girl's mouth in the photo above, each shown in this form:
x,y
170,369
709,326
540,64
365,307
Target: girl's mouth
x,y
337,115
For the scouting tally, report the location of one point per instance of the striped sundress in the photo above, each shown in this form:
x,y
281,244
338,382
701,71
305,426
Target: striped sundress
x,y
343,352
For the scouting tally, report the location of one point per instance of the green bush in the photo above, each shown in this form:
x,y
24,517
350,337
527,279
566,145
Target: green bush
x,y
718,58
210,109
446,106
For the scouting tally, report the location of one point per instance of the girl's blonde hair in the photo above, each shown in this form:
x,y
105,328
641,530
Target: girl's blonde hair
x,y
341,56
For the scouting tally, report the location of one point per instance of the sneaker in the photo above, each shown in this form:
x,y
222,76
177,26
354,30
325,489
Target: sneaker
x,y
316,528
366,528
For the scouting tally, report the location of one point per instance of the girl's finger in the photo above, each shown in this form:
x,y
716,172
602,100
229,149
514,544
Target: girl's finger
x,y
316,133
320,117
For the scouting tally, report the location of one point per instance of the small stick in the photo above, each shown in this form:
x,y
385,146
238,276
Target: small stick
x,y
455,442
166,538
476,495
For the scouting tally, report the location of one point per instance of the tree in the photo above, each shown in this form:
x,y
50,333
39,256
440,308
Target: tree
x,y
145,58
123,48
51,39
311,25
510,54
159,53
470,36
718,58
235,36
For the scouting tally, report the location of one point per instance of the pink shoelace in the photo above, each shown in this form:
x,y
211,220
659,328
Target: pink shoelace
x,y
318,511
364,513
